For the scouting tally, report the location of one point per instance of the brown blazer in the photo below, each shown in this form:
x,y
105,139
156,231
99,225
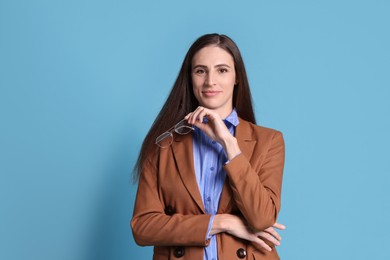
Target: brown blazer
x,y
169,212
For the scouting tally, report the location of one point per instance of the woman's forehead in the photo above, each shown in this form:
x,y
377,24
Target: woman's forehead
x,y
212,54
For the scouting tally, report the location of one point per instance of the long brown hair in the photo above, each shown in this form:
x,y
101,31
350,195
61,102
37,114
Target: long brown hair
x,y
182,101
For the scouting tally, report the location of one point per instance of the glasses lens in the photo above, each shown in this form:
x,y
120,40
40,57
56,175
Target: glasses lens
x,y
183,128
164,140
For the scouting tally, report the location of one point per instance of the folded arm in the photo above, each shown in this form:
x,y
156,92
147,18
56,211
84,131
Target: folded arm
x,y
256,191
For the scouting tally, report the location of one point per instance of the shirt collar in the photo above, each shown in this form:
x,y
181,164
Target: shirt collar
x,y
232,119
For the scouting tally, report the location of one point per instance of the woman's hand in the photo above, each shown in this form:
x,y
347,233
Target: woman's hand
x,y
215,129
235,226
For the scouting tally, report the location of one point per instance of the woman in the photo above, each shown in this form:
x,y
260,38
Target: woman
x,y
209,187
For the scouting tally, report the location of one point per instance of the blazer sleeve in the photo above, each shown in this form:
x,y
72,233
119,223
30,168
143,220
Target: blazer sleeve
x,y
151,226
257,188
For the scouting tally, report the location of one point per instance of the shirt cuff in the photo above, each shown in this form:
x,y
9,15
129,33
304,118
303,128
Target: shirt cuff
x,y
209,228
228,161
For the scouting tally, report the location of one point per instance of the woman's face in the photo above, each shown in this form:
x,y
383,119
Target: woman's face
x,y
213,79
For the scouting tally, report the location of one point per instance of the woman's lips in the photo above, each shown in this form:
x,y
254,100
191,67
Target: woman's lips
x,y
210,93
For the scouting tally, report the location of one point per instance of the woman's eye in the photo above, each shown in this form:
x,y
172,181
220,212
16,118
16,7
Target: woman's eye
x,y
199,71
223,70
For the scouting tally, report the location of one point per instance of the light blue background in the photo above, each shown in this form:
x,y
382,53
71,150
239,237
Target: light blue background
x,y
82,81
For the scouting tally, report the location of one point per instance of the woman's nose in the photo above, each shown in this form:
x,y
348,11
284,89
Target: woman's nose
x,y
210,79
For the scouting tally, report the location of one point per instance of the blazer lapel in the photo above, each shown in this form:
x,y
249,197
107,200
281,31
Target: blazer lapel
x,y
183,153
246,144
244,138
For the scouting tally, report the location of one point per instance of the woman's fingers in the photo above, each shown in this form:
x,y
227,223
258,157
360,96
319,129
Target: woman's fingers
x,y
215,128
196,118
198,115
238,228
279,226
269,237
262,244
273,232
202,113
187,116
191,117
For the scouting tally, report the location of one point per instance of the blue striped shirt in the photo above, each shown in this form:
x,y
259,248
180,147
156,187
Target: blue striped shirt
x,y
209,158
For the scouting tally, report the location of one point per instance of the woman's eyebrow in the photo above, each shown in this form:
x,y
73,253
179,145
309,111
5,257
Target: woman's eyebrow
x,y
216,66
221,65
200,66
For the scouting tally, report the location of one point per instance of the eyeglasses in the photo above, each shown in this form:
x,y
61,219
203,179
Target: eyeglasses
x,y
166,139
